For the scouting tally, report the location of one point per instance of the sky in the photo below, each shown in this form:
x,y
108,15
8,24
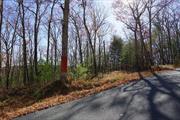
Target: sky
x,y
107,6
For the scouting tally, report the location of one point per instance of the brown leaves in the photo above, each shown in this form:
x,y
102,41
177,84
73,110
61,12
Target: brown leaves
x,y
80,88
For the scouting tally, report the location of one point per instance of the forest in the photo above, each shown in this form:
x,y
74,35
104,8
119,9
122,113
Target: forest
x,y
47,44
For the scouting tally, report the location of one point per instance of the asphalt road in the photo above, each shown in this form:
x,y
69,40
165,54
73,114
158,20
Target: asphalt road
x,y
152,98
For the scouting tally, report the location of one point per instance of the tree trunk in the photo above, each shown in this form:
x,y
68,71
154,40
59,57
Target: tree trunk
x,y
49,31
25,68
104,50
7,67
150,34
99,66
55,58
64,43
1,20
87,53
178,43
75,52
36,30
79,41
89,38
170,51
136,49
80,51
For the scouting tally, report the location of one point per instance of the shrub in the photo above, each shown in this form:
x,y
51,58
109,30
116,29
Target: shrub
x,y
79,72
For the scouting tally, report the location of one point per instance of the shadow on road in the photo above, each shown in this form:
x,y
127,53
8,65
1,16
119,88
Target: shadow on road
x,y
150,89
164,87
158,85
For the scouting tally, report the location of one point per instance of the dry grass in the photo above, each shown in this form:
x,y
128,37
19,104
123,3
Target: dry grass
x,y
21,105
167,66
163,67
177,65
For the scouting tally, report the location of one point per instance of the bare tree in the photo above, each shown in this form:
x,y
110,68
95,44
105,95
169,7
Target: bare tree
x,y
49,29
90,42
9,39
25,67
153,8
76,20
132,18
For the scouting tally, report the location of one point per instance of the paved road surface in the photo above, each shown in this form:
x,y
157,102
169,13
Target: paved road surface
x,y
152,98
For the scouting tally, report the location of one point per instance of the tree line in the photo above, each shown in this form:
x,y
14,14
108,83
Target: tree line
x,y
153,30
48,40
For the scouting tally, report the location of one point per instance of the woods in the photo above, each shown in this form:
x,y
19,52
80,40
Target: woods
x,y
152,30
56,51
44,41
